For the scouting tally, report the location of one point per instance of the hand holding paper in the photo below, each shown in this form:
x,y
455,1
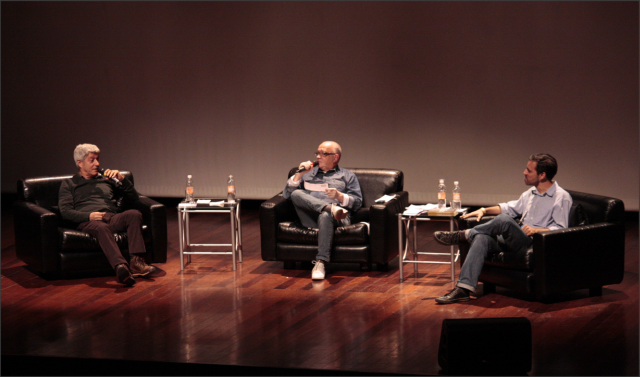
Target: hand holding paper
x,y
333,193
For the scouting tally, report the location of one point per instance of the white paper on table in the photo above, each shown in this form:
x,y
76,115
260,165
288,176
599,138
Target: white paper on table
x,y
316,186
187,205
204,201
217,204
414,210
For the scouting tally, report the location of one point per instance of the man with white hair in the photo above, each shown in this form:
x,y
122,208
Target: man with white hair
x,y
324,208
89,200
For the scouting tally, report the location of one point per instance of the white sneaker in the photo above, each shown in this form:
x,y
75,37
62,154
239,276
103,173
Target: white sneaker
x,y
318,270
338,213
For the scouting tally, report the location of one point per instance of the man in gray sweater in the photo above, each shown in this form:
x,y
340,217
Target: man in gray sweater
x,y
89,199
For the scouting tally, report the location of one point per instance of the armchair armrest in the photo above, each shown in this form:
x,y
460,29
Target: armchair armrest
x,y
383,221
36,236
154,214
272,212
580,257
471,222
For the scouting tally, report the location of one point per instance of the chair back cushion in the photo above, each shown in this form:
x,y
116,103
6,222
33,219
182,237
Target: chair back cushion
x,y
293,232
374,183
44,191
597,208
577,216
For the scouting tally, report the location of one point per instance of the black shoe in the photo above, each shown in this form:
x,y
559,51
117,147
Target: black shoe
x,y
456,295
124,275
450,238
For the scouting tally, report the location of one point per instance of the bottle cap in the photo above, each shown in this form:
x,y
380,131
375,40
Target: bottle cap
x,y
189,176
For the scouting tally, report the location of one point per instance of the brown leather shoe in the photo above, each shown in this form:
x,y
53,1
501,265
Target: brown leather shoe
x,y
139,268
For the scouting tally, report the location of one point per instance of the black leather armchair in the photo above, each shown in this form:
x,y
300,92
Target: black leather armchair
x,y
587,255
53,248
283,238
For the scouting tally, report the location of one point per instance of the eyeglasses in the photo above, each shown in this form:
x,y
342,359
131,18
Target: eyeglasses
x,y
323,154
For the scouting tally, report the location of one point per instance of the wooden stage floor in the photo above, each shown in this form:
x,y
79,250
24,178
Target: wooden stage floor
x,y
265,316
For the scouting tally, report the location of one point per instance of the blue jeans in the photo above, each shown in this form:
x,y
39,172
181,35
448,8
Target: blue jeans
x,y
311,214
502,234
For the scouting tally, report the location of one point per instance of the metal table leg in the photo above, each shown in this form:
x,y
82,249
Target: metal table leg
x,y
453,265
239,234
232,222
400,248
181,237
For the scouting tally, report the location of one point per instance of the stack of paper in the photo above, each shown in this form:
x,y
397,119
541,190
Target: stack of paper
x,y
415,210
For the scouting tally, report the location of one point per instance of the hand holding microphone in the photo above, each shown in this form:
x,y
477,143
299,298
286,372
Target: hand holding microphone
x,y
113,175
306,166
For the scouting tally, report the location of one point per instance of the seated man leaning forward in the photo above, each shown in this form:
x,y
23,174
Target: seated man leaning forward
x,y
89,200
322,208
543,207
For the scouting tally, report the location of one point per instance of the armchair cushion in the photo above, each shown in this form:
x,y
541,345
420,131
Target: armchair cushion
x,y
294,232
71,239
521,260
577,215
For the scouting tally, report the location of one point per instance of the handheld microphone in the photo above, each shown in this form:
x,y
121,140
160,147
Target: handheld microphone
x,y
114,179
315,163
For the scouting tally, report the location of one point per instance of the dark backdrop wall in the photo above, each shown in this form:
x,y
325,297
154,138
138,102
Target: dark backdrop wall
x,y
456,90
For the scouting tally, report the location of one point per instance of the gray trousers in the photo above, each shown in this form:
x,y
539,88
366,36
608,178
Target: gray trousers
x,y
311,214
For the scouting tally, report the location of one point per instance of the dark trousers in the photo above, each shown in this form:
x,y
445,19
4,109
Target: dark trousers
x,y
131,221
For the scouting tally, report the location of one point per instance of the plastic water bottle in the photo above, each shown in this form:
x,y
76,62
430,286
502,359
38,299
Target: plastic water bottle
x,y
456,204
189,190
442,195
231,190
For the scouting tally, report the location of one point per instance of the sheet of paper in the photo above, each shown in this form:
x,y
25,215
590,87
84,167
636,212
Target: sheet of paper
x,y
385,198
414,210
316,186
217,204
204,201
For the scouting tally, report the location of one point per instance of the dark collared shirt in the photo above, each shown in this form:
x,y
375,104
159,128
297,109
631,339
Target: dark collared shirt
x,y
78,196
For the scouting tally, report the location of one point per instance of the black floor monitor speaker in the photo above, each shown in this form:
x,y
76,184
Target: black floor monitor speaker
x,y
485,346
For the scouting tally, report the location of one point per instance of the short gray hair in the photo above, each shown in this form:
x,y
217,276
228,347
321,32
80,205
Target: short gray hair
x,y
82,150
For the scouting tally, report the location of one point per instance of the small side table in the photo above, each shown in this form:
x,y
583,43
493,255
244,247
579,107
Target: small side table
x,y
405,221
186,247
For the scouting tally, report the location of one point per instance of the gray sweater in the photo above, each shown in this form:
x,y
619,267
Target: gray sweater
x,y
79,197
